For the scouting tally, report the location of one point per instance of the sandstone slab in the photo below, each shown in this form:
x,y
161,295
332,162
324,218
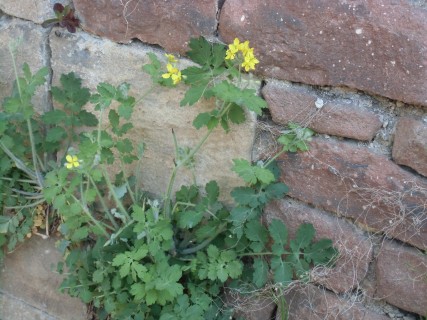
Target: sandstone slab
x,y
410,144
365,187
29,41
36,11
169,24
28,281
338,117
310,302
96,60
379,46
355,249
402,277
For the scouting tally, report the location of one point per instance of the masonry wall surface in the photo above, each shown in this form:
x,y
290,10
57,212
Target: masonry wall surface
x,y
353,71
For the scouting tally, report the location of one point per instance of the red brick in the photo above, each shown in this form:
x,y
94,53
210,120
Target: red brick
x,y
379,46
335,116
402,277
169,24
410,144
354,248
311,303
356,183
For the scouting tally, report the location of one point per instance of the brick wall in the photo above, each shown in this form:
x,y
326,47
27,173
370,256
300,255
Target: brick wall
x,y
354,71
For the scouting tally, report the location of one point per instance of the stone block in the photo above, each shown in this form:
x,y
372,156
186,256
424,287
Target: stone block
x,y
355,249
169,24
402,277
378,46
97,60
36,11
410,144
28,281
29,39
338,117
311,303
356,183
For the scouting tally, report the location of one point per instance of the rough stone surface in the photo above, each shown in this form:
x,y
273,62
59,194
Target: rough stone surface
x,y
410,144
379,46
356,183
97,60
354,248
401,277
36,11
169,24
339,117
251,307
28,281
30,49
311,303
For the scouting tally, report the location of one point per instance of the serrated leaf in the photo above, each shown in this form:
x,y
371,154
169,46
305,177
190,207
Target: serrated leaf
x,y
279,233
87,118
189,219
276,190
193,94
200,50
213,252
54,117
321,252
124,146
245,196
260,275
251,174
114,118
305,234
212,191
236,114
257,233
56,134
282,270
228,92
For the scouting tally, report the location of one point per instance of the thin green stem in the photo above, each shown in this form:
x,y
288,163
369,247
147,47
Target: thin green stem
x,y
33,204
274,158
103,204
113,193
131,193
89,214
205,243
168,198
18,162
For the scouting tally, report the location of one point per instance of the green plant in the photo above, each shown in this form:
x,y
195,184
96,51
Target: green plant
x,y
133,257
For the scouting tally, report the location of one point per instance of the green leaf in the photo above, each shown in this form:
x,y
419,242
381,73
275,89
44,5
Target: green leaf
x,y
236,114
252,173
260,275
282,271
258,234
212,191
87,118
189,219
205,119
245,196
72,95
200,50
305,234
228,92
193,95
54,117
114,119
276,190
124,146
321,252
56,134
279,233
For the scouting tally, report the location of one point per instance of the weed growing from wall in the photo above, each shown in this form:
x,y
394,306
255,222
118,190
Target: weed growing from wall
x,y
128,255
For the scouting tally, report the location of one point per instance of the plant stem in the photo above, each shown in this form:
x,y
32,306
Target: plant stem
x,y
101,200
167,204
111,189
87,212
204,243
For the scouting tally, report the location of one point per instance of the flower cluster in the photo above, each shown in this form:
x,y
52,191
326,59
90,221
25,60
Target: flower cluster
x,y
173,71
247,54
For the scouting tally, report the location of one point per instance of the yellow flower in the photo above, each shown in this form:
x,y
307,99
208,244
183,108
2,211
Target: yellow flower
x,y
171,58
72,162
247,54
232,49
172,73
250,60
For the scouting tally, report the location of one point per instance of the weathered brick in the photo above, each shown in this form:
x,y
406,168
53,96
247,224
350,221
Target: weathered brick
x,y
379,46
355,249
356,183
402,277
337,117
29,39
36,11
311,303
101,60
169,24
410,144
